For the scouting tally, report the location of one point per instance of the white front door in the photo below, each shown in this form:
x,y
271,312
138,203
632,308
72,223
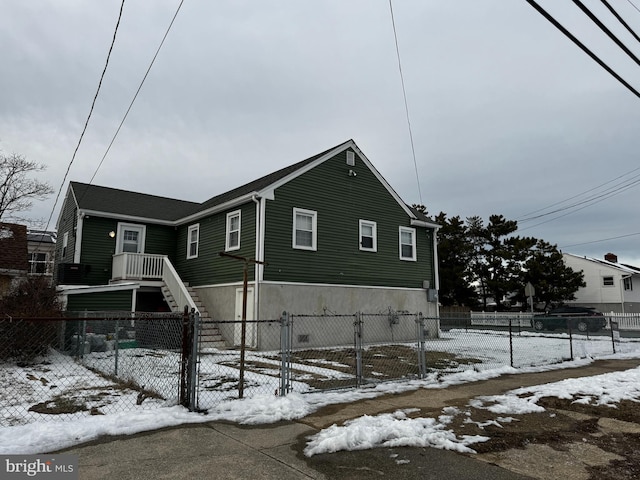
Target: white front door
x,y
130,238
250,334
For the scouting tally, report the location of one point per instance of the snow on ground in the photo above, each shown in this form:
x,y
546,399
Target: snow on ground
x,y
397,429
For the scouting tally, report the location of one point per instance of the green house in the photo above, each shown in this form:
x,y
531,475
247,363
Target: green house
x,y
328,233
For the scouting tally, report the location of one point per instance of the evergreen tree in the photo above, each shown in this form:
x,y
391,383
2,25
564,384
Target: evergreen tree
x,y
455,252
553,280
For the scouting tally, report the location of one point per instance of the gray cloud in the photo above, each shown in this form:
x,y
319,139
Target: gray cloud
x,y
507,115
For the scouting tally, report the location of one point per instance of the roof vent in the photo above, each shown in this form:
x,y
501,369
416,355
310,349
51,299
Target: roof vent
x,y
351,158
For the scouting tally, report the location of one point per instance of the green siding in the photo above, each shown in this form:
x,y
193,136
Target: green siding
x,y
341,201
107,301
66,225
209,268
98,247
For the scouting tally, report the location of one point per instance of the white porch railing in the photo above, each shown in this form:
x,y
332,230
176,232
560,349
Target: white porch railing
x,y
144,266
137,266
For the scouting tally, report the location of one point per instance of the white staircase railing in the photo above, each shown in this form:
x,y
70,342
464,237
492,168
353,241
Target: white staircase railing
x,y
176,286
145,266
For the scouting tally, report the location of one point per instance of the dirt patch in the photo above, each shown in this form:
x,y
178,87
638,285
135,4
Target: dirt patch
x,y
569,440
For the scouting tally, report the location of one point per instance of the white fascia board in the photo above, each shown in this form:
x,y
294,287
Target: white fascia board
x,y
78,289
75,200
269,192
219,208
127,218
602,263
422,223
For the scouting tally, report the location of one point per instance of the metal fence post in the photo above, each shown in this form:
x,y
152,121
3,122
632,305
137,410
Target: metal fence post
x,y
117,344
422,367
358,347
570,340
183,394
193,360
510,342
285,354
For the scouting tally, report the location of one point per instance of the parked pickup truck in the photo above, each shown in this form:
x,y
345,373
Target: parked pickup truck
x,y
583,319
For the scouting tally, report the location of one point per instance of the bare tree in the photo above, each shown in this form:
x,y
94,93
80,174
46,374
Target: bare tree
x,y
17,190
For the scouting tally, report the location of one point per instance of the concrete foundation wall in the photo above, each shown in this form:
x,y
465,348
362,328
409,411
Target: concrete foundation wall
x,y
317,311
318,299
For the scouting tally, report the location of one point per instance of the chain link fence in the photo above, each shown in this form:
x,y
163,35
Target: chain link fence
x,y
106,362
100,363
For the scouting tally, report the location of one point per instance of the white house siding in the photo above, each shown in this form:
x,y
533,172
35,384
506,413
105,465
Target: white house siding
x,y
596,294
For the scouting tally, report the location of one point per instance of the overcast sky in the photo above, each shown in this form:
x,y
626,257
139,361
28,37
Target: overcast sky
x,y
508,116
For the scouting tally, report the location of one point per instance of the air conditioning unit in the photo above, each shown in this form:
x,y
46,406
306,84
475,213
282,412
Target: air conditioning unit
x,y
72,273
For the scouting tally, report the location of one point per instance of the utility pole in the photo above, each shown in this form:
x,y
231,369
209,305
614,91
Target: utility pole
x,y
243,335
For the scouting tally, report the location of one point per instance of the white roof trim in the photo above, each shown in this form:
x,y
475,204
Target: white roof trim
x,y
78,289
269,192
604,263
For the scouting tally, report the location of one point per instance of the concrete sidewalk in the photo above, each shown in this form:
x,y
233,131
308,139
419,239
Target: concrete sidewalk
x,y
229,451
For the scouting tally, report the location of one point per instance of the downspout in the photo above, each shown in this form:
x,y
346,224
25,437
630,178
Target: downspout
x,y
78,246
435,267
257,272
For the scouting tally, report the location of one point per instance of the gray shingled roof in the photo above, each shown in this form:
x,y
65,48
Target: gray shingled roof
x,y
123,202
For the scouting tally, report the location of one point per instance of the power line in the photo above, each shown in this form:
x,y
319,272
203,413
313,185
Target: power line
x,y
593,56
611,191
602,240
137,91
86,123
633,5
592,202
526,215
406,105
604,28
620,19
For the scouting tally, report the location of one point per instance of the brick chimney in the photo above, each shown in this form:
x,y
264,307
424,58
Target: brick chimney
x,y
610,257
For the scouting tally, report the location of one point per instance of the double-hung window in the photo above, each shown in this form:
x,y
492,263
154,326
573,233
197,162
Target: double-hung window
x,y
408,244
193,239
233,231
305,223
38,263
368,236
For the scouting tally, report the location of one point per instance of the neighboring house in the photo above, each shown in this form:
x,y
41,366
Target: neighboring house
x,y
13,255
41,250
333,233
611,286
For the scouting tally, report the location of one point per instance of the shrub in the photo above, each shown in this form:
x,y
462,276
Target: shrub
x,y
24,331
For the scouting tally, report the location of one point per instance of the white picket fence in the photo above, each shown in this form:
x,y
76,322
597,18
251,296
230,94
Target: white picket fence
x,y
626,321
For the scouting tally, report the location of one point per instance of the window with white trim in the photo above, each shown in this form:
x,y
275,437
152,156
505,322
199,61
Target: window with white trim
x,y
305,223
39,263
628,283
608,282
408,244
193,239
368,236
233,231
65,243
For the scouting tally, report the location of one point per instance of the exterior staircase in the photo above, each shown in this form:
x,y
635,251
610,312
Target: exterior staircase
x,y
209,333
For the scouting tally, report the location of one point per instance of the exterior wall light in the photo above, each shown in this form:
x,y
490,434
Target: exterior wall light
x,y
112,234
